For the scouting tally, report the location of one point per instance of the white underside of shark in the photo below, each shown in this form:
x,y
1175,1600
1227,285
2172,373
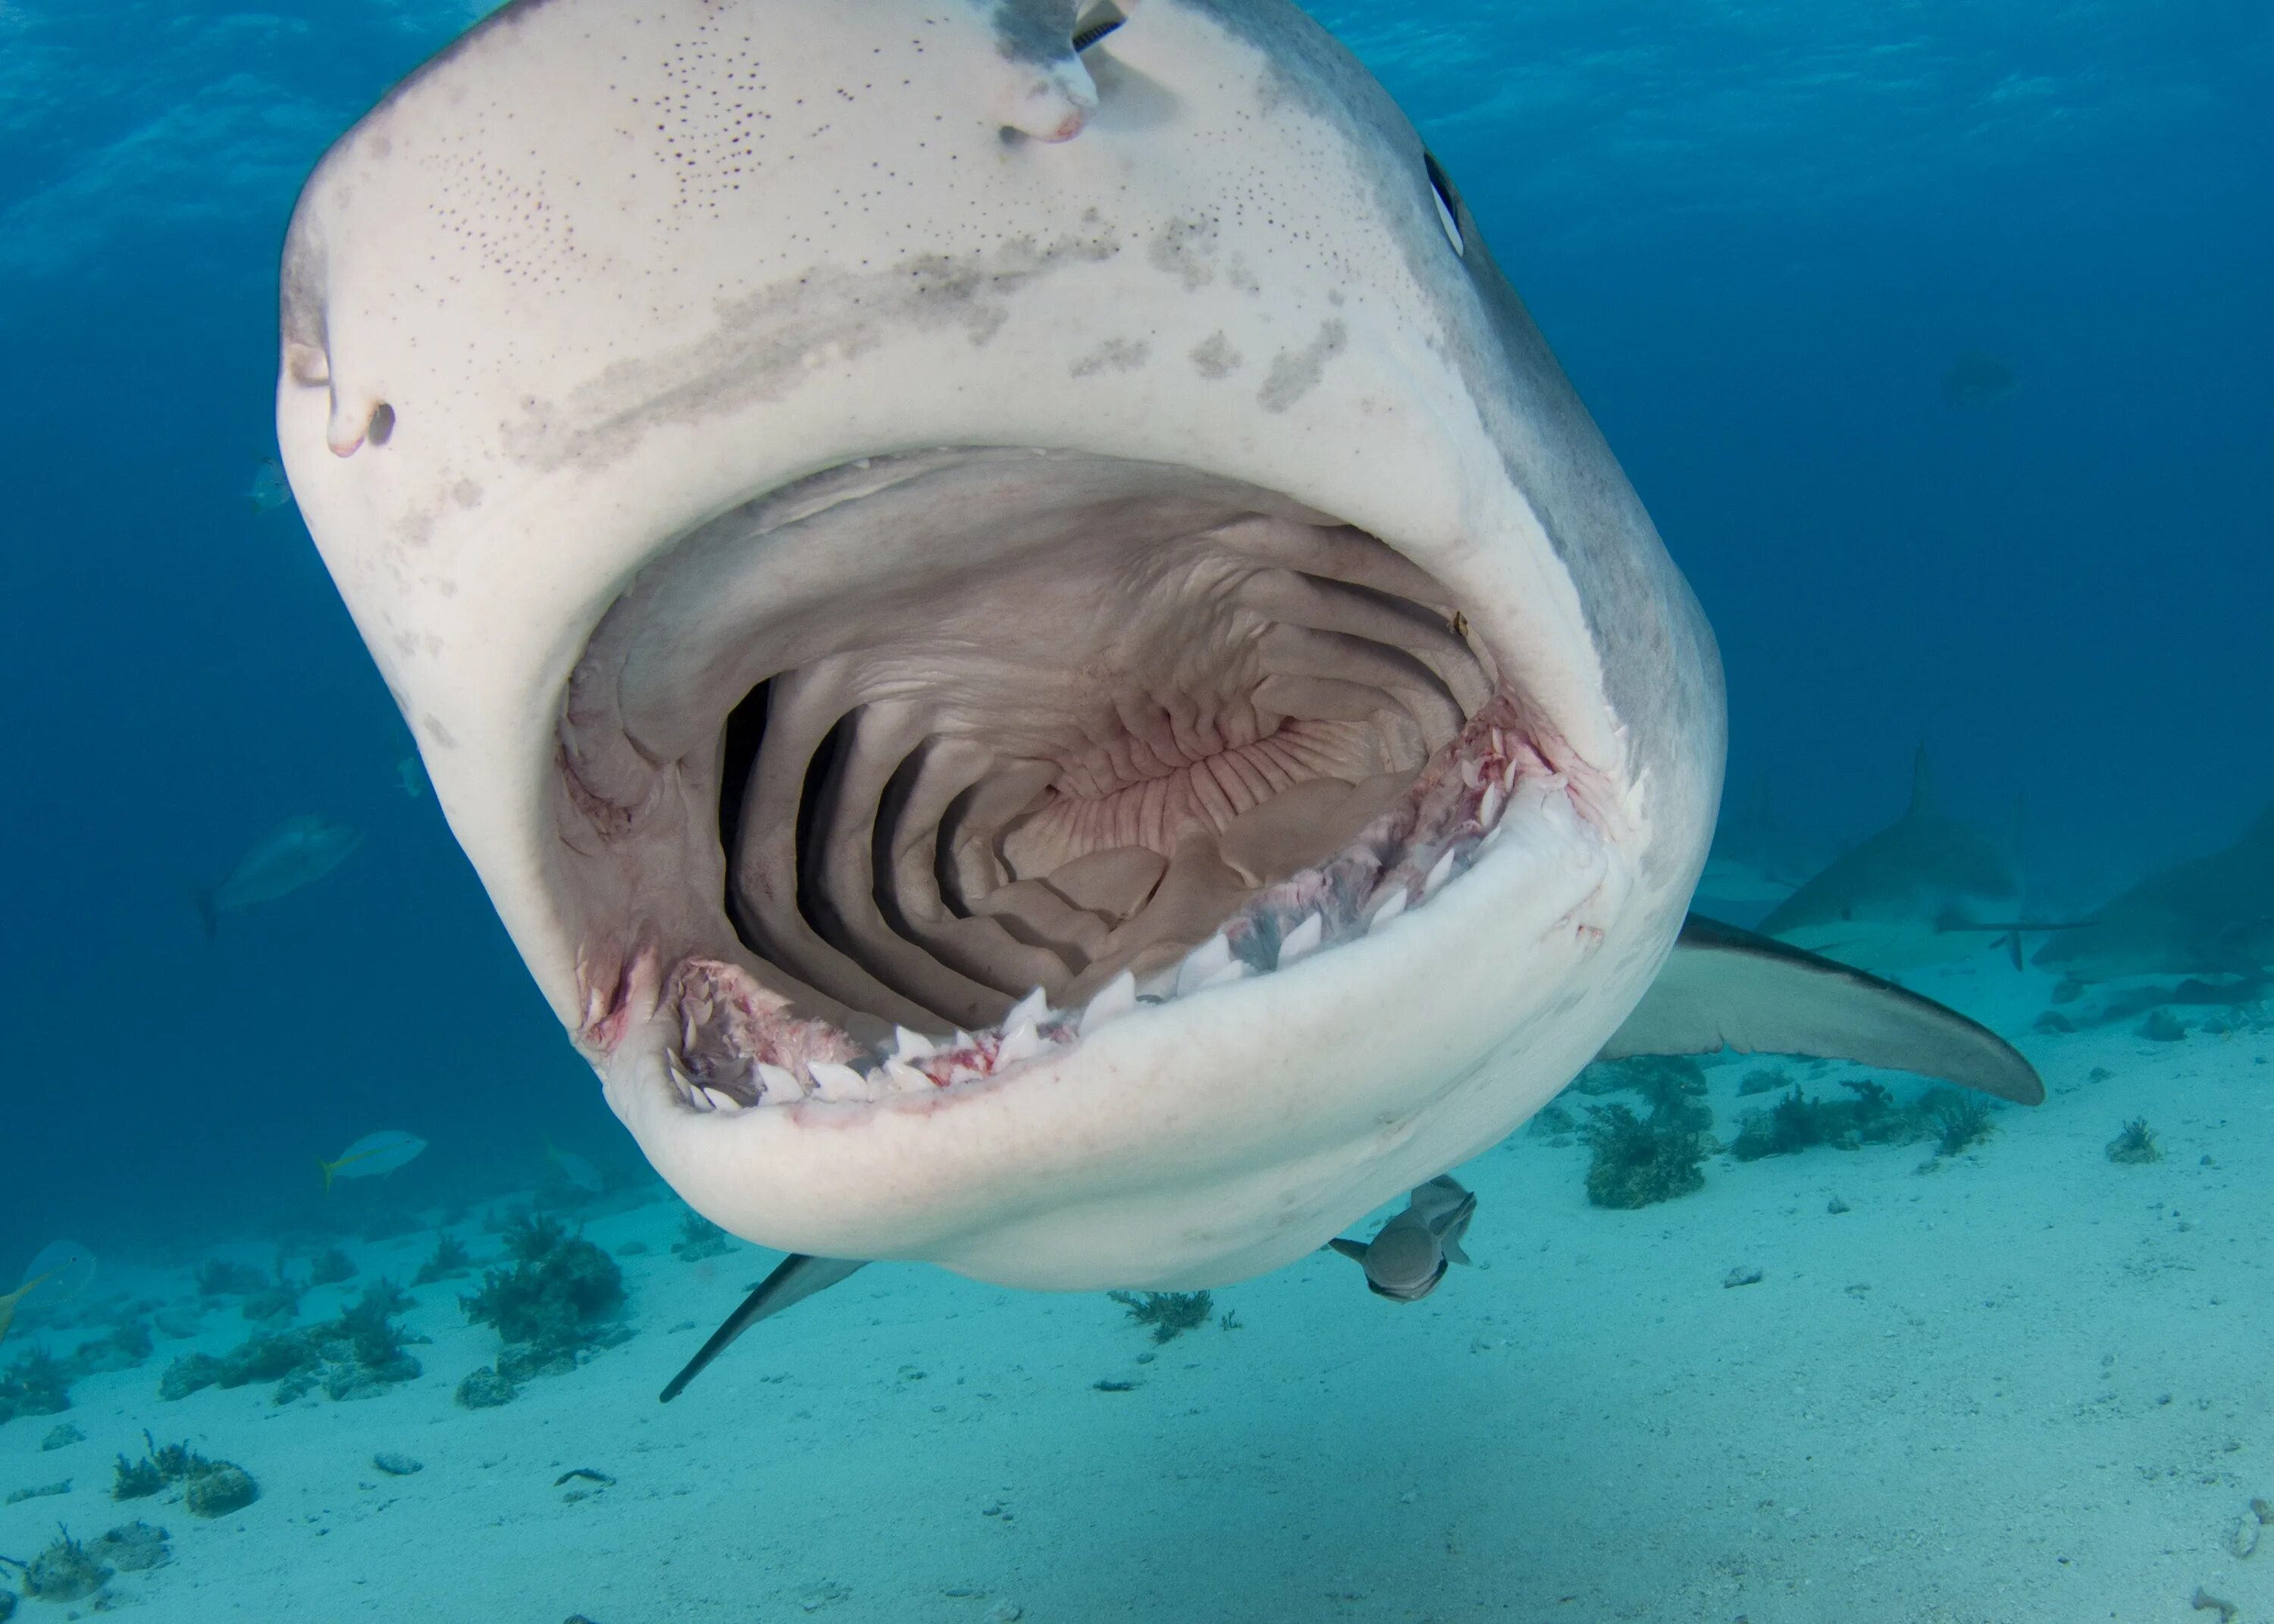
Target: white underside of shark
x,y
1037,655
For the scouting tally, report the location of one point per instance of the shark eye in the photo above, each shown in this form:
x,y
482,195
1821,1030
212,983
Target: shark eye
x,y
1449,208
1095,24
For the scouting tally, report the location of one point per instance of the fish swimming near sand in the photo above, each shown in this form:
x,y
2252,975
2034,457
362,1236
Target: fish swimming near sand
x,y
1410,1253
270,490
576,1171
1089,722
2209,915
8,1303
298,851
372,1155
1977,380
1927,889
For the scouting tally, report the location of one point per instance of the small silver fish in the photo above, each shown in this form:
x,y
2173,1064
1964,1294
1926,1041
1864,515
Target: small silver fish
x,y
296,853
1408,1256
269,490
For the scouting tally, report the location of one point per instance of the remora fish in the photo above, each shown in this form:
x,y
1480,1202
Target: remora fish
x,y
1410,1253
1086,519
298,851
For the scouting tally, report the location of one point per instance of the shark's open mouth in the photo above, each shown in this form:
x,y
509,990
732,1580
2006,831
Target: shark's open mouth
x,y
930,765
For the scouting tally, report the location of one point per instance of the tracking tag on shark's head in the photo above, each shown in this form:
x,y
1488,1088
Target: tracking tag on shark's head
x,y
1041,664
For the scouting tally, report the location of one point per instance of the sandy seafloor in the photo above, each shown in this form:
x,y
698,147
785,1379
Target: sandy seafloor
x,y
2024,1383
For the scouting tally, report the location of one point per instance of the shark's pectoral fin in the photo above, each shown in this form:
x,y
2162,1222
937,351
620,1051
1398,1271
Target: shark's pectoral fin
x,y
795,1279
1727,987
1452,1249
1354,1250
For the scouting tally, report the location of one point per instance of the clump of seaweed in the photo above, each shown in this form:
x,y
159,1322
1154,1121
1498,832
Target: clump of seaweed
x,y
132,1547
220,1277
1170,1313
278,1301
1799,1121
1763,1080
1638,1162
38,1384
330,1267
450,1260
209,1488
65,1571
352,1356
374,1345
559,1299
700,1238
1960,1120
1662,1080
2135,1143
485,1389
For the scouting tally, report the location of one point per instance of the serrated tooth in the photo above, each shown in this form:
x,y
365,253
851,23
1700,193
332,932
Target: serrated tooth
x,y
1440,872
782,1086
836,1083
1488,808
1508,778
1472,772
1388,911
1117,998
1019,1043
1302,941
909,1045
1238,970
721,1100
695,1099
964,1040
1500,742
1030,1009
906,1078
1202,962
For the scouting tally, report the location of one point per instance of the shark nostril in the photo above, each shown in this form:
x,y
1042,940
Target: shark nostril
x,y
381,423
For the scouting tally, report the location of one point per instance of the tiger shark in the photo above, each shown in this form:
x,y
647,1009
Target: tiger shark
x,y
1040,661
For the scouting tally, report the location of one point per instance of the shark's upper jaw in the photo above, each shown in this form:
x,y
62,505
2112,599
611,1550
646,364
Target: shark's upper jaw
x,y
914,784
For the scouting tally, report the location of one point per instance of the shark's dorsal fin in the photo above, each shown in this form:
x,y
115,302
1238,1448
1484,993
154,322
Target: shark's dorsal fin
x,y
1922,785
1727,987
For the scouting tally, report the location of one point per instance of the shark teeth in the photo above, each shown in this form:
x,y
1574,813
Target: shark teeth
x,y
1118,996
1203,962
1302,941
1458,810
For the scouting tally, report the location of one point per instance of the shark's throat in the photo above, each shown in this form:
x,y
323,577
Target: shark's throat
x,y
992,747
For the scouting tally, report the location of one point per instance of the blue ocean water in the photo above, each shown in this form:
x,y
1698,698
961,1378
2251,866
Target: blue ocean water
x,y
1759,237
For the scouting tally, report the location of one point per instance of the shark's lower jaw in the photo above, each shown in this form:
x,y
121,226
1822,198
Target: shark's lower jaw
x,y
907,785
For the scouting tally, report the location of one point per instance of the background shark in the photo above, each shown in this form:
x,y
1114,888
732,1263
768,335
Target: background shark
x,y
1044,667
1927,889
2208,916
1756,861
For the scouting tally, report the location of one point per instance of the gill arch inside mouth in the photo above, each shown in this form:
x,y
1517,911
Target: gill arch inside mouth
x,y
922,768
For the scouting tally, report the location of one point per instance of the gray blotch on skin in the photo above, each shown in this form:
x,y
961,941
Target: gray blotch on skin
x,y
1116,355
1295,372
439,733
1214,356
1187,250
